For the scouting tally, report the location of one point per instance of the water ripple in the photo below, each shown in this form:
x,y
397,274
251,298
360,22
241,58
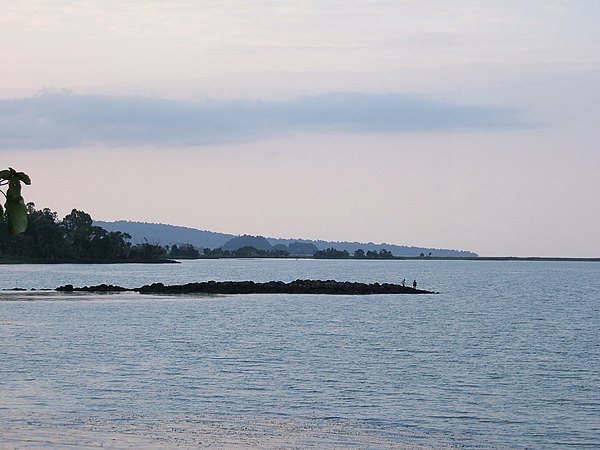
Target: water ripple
x,y
510,360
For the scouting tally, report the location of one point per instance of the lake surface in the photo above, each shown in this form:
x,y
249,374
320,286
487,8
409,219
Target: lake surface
x,y
506,356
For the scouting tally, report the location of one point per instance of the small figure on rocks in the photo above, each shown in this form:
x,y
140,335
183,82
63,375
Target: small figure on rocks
x,y
404,282
415,284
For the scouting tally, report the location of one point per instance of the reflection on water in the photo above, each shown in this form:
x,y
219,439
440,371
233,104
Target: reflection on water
x,y
506,356
212,432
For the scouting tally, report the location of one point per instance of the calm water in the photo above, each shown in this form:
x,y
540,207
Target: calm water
x,y
507,355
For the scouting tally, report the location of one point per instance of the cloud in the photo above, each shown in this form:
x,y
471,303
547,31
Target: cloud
x,y
61,120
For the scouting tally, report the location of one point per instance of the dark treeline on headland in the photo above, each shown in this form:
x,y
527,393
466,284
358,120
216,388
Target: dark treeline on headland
x,y
359,253
72,239
77,239
247,251
329,253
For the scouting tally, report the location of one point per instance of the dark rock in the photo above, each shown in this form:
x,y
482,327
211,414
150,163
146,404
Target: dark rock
x,y
65,288
329,287
98,288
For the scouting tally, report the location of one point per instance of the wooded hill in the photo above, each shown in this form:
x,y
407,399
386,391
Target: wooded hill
x,y
170,234
72,239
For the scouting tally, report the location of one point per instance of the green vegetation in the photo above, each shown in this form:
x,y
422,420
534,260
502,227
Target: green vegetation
x,y
245,252
331,253
30,235
72,239
184,251
16,211
359,254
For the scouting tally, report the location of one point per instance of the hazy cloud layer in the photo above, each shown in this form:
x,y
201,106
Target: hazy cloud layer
x,y
58,120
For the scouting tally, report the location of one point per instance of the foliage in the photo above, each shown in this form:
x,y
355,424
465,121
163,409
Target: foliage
x,y
16,210
184,251
331,253
359,253
147,252
251,252
245,252
74,238
383,253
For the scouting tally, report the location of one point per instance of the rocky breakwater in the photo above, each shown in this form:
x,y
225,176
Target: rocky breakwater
x,y
328,287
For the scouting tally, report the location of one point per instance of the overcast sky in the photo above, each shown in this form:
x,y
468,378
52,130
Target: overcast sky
x,y
458,124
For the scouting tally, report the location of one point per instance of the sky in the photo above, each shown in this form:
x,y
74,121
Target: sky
x,y
463,124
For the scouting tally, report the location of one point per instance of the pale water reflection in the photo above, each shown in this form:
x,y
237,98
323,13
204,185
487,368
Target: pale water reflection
x,y
506,356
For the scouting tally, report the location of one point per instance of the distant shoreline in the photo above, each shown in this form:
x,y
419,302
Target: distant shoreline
x,y
91,261
497,258
394,258
421,258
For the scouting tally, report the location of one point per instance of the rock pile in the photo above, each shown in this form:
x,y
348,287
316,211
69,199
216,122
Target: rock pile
x,y
328,287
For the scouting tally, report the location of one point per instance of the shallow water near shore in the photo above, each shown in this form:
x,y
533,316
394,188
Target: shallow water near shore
x,y
506,356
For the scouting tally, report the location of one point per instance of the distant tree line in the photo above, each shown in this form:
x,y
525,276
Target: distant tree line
x,y
359,253
183,251
331,253
245,252
74,238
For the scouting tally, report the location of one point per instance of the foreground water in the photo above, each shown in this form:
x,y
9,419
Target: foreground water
x,y
507,355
